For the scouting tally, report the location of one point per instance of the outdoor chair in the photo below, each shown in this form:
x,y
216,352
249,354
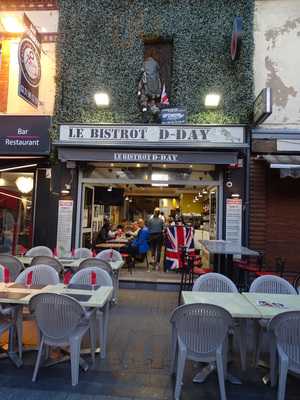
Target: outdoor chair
x,y
109,255
50,261
68,324
96,262
13,265
296,283
285,330
82,252
199,333
41,275
268,284
83,277
39,251
213,282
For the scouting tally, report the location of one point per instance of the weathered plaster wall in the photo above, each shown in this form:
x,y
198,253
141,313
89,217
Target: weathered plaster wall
x,y
277,58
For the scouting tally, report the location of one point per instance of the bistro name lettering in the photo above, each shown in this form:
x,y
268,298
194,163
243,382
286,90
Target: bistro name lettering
x,y
138,134
150,157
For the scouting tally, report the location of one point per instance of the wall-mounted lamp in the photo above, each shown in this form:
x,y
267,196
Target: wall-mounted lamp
x,y
102,99
109,189
212,100
66,190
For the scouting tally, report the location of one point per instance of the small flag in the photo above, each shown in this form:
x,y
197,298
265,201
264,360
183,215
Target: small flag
x,y
164,97
29,278
93,278
6,275
67,277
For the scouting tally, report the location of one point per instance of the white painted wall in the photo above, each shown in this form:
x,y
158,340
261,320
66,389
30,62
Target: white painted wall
x,y
277,58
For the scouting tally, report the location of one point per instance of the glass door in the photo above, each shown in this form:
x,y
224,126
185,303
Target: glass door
x,y
87,216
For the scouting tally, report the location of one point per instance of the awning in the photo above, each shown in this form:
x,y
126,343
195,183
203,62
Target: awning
x,y
160,156
283,161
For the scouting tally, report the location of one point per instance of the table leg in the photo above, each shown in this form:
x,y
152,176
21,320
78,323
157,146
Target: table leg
x,y
105,330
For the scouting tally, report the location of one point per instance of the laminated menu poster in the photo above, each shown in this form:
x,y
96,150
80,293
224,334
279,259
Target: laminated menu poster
x,y
234,220
64,227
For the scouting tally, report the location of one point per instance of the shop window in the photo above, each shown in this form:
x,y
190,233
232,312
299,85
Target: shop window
x,y
16,210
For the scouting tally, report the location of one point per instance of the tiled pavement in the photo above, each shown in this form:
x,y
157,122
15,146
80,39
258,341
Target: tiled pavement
x,y
137,366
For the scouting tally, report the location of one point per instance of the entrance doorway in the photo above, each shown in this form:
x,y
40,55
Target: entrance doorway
x,y
123,193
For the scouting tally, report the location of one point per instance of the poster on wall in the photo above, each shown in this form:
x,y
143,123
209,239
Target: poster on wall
x,y
64,227
234,220
29,58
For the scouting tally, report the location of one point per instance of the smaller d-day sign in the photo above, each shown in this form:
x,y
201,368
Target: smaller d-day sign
x,y
262,108
29,57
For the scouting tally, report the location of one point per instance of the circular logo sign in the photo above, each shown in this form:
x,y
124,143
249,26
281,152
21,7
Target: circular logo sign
x,y
29,61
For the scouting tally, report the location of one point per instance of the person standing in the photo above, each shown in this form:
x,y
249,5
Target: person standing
x,y
156,226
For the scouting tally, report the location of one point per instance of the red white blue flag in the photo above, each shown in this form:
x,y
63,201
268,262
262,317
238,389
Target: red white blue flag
x,y
178,237
164,97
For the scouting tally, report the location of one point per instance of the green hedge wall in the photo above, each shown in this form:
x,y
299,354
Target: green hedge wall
x,y
101,47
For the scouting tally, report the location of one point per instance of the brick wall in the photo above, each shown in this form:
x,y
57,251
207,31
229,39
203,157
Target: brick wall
x,y
4,76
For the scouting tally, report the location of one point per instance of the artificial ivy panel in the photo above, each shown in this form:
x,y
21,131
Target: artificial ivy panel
x,y
101,47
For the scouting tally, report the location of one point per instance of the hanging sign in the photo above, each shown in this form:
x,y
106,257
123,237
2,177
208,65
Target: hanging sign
x,y
234,220
236,39
262,108
64,227
29,57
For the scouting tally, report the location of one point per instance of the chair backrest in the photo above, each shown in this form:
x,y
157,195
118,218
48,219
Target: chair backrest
x,y
201,327
12,264
82,252
83,277
286,327
95,262
296,283
41,275
45,260
39,251
66,314
271,284
2,269
109,255
213,282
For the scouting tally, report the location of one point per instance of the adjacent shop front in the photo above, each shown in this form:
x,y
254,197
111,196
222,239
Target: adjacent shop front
x,y
124,171
24,151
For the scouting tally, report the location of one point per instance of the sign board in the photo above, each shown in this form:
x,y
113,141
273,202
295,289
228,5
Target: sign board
x,y
236,38
24,135
262,108
152,135
234,220
64,227
288,145
171,116
29,57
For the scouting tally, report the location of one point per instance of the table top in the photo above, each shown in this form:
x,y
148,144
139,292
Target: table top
x,y
73,262
99,297
290,302
227,247
235,303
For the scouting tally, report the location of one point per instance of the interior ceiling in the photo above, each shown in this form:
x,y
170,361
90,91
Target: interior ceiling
x,y
44,21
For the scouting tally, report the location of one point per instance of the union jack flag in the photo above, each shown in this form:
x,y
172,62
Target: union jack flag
x,y
176,238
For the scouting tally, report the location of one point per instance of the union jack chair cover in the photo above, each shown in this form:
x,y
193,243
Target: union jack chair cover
x,y
176,238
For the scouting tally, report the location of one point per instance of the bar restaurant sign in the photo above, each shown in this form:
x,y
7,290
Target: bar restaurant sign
x,y
152,135
29,56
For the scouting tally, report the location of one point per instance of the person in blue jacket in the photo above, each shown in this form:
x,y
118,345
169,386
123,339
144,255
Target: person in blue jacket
x,y
140,245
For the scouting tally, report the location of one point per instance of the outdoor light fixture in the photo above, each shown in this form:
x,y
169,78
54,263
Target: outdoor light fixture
x,y
24,184
109,189
235,195
138,165
12,24
126,198
204,191
66,190
2,182
212,100
101,99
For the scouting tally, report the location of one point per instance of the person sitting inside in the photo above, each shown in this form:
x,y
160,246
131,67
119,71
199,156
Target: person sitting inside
x,y
139,246
105,233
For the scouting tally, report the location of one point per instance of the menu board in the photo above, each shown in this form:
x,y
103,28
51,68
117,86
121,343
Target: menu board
x,y
64,227
234,220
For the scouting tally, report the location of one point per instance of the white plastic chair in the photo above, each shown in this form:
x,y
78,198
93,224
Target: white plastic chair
x,y
68,324
41,275
50,261
268,284
213,282
82,252
83,277
12,264
199,333
39,251
285,328
109,255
